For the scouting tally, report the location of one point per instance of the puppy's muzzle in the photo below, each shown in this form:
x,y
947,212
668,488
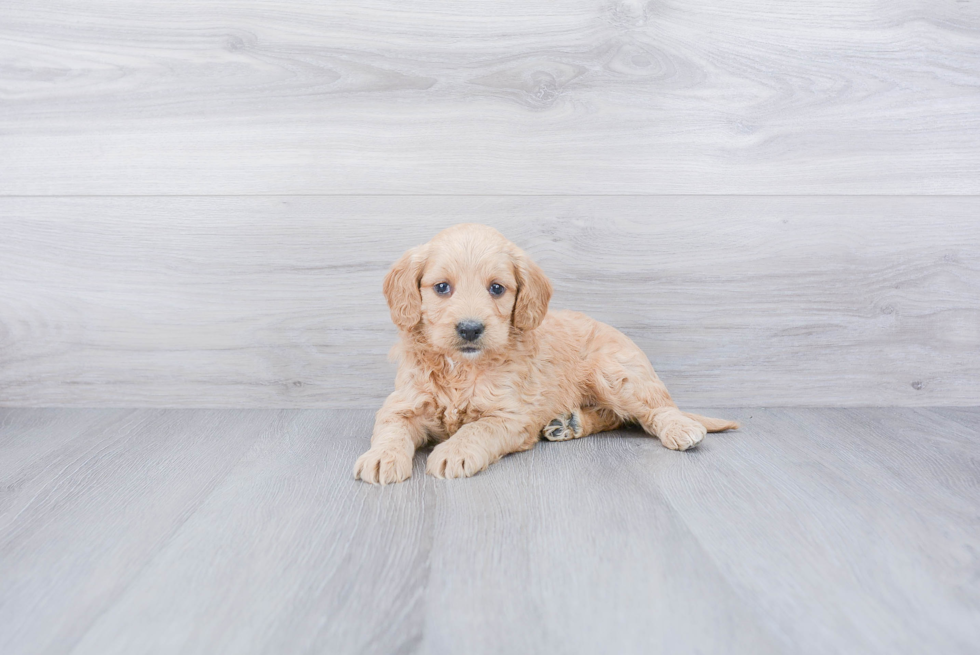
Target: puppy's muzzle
x,y
470,331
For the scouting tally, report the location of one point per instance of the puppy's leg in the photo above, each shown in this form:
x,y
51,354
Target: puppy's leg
x,y
477,445
625,382
581,423
397,433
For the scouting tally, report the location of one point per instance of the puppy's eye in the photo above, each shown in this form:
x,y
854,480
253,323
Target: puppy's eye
x,y
497,289
442,288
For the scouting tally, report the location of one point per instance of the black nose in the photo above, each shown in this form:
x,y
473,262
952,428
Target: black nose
x,y
469,330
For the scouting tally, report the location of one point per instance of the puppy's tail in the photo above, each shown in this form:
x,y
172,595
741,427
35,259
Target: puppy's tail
x,y
713,424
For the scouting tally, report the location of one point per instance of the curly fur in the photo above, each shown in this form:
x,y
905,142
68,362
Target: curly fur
x,y
529,368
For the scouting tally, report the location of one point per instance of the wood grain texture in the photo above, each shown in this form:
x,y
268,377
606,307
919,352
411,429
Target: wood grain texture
x,y
90,510
870,523
577,551
189,531
622,97
276,302
966,416
288,555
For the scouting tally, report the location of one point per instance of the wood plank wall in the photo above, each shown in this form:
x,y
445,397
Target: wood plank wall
x,y
780,202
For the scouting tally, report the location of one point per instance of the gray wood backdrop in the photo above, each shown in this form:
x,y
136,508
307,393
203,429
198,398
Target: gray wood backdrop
x,y
777,201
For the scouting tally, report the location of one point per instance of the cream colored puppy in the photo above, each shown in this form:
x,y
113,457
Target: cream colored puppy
x,y
486,370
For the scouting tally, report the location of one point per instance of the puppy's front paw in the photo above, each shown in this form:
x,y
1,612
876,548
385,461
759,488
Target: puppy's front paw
x,y
682,433
456,459
565,427
382,465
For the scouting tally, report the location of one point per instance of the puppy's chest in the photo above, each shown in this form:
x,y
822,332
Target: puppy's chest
x,y
460,400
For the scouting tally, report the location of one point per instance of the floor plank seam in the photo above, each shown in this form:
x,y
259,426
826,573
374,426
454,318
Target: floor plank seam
x,y
417,643
163,543
780,639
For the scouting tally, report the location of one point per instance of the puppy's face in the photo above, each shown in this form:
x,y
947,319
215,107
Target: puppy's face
x,y
468,297
467,290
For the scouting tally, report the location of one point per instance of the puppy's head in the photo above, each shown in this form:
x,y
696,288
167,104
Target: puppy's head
x,y
467,290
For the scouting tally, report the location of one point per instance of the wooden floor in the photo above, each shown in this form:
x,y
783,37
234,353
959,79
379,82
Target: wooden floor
x,y
206,531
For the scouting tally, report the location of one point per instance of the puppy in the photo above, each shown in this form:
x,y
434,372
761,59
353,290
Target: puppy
x,y
486,370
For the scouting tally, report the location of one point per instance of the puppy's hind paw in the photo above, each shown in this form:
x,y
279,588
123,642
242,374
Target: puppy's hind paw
x,y
682,433
565,427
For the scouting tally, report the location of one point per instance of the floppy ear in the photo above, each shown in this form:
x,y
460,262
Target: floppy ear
x,y
533,293
401,289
